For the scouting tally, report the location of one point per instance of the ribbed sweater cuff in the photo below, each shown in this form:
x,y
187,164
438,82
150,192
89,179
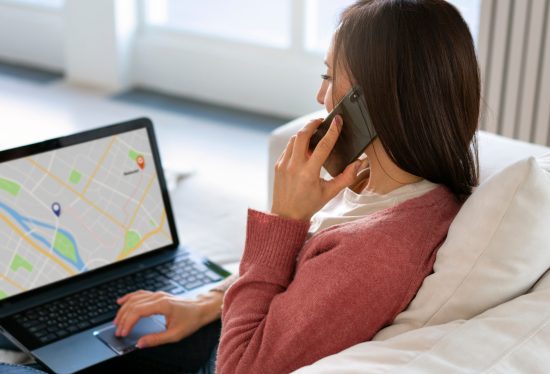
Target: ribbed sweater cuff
x,y
273,241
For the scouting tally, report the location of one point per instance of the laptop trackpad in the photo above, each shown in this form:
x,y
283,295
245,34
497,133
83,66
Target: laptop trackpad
x,y
127,344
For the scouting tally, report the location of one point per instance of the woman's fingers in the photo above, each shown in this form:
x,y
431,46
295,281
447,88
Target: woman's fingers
x,y
303,137
152,340
298,190
137,311
345,179
287,153
123,313
364,170
134,299
121,300
130,298
298,141
323,149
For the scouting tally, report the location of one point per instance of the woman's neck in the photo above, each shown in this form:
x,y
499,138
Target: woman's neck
x,y
385,176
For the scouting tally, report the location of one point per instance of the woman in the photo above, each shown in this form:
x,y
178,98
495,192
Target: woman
x,y
299,300
335,261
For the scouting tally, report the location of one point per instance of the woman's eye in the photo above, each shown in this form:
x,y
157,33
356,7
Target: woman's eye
x,y
325,77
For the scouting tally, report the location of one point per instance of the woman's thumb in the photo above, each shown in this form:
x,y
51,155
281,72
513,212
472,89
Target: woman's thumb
x,y
152,340
346,178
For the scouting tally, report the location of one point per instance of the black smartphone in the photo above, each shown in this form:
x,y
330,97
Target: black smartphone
x,y
357,132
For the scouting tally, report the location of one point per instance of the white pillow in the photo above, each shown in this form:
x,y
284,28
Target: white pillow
x,y
496,249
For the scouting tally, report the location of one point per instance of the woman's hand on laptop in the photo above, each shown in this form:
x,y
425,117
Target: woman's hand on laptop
x,y
183,317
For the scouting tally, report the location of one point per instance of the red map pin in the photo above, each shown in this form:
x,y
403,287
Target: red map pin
x,y
140,161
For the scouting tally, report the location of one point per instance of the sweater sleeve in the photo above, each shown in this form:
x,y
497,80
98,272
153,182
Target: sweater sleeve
x,y
272,323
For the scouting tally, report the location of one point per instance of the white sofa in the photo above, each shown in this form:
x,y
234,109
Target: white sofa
x,y
486,307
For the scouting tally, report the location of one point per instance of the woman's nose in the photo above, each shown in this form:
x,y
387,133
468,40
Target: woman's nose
x,y
321,95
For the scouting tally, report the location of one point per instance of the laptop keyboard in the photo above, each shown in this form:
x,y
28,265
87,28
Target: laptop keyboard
x,y
97,305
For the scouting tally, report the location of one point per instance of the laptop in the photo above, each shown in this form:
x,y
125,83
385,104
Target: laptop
x,y
85,219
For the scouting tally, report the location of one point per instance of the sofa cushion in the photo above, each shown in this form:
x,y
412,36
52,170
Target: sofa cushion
x,y
496,249
497,152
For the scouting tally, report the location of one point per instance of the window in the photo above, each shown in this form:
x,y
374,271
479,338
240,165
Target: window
x,y
258,22
470,10
267,23
262,56
321,21
55,4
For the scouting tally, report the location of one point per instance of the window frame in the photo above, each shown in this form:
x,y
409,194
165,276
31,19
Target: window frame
x,y
215,65
265,79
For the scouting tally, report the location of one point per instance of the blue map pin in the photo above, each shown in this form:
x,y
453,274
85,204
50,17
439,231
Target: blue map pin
x,y
56,208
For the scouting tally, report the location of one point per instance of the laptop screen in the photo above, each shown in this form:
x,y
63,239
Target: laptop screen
x,y
77,208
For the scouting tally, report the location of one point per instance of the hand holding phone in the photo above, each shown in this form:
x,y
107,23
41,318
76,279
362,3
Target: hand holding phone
x,y
356,134
298,189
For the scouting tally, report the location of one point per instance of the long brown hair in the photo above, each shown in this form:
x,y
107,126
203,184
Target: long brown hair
x,y
416,63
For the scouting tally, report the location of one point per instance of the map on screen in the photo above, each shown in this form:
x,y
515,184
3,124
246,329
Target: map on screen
x,y
77,208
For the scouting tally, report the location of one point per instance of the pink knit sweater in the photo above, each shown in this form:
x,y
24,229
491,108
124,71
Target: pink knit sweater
x,y
297,301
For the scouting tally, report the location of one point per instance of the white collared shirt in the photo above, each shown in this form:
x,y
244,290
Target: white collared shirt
x,y
348,205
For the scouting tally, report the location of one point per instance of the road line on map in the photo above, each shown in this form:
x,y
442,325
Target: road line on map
x,y
33,244
45,175
149,185
145,237
13,282
98,165
13,255
168,236
60,181
73,212
118,193
133,194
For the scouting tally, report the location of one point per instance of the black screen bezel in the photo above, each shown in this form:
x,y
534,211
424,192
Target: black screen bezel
x,y
83,137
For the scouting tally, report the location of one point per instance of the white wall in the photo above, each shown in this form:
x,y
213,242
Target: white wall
x,y
32,35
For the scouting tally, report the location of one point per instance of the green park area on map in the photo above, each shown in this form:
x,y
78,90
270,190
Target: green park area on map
x,y
19,262
131,241
133,154
10,187
75,176
64,245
